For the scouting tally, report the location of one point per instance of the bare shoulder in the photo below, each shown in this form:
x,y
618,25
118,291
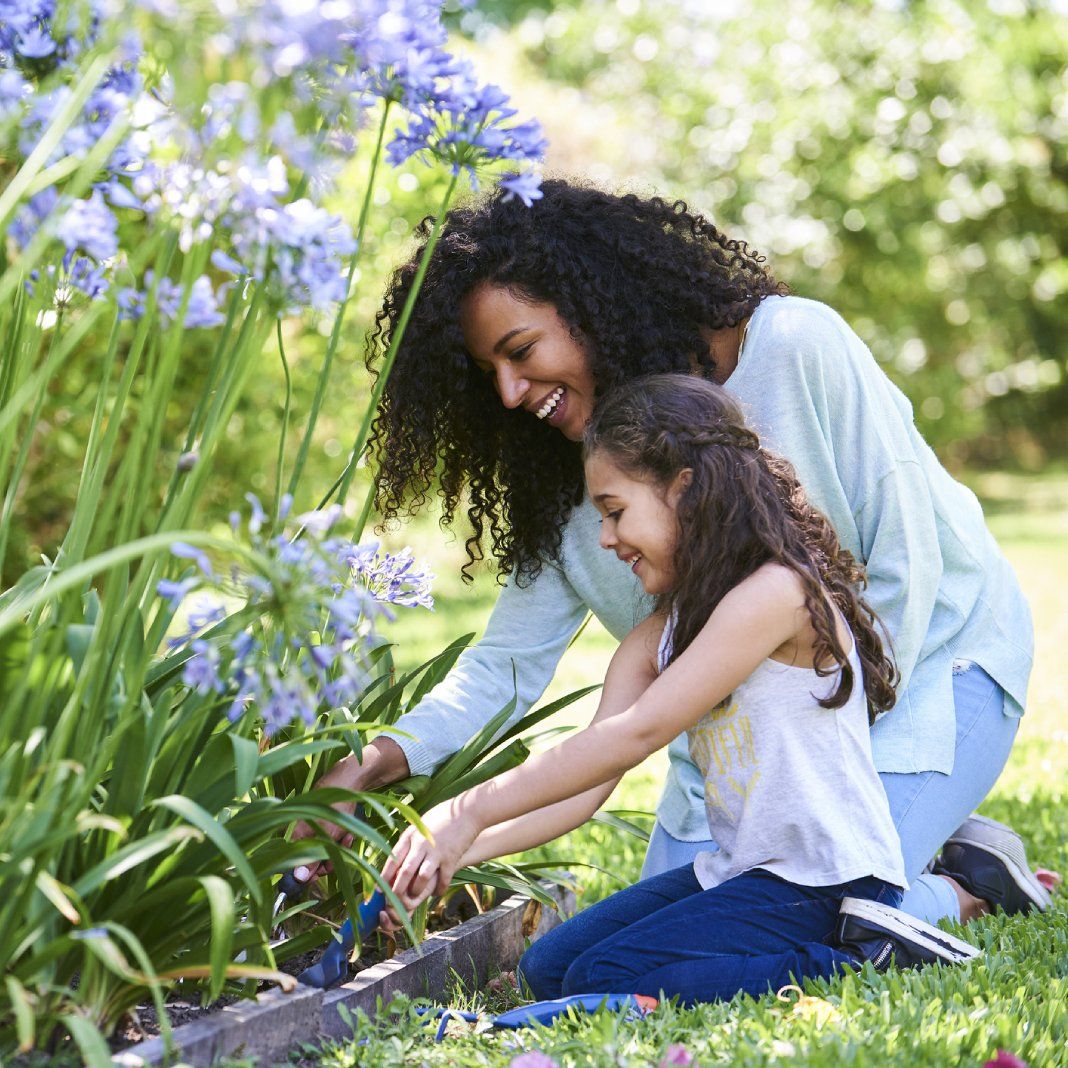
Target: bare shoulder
x,y
636,656
772,587
644,640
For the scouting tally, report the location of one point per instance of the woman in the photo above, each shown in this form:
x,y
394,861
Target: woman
x,y
525,316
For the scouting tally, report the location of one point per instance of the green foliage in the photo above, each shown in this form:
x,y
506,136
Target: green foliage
x,y
143,812
904,163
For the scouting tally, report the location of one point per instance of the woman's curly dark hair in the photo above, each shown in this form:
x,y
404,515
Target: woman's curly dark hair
x,y
636,280
742,508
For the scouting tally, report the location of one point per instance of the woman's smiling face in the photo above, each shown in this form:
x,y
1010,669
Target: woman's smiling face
x,y
531,356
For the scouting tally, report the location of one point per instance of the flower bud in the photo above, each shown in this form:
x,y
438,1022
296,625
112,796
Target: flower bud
x,y
188,460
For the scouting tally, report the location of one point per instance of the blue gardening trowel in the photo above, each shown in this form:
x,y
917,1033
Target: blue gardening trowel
x,y
333,966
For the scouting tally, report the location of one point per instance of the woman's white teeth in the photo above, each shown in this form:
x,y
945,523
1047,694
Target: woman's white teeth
x,y
550,405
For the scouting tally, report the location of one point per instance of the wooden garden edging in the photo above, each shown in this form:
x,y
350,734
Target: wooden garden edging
x,y
270,1025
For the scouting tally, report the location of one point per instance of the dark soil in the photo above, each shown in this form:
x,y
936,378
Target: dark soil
x,y
182,1008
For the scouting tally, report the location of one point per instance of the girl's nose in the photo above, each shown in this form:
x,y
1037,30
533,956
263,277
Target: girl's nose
x,y
608,538
511,386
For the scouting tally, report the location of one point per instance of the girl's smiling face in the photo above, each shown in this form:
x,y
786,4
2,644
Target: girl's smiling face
x,y
638,521
529,352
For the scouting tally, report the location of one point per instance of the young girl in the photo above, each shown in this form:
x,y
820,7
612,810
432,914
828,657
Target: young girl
x,y
762,650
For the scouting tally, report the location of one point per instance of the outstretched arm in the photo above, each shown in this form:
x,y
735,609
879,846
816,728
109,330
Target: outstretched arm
x,y
750,623
631,672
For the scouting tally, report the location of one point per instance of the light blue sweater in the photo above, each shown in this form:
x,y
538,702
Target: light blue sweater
x,y
814,393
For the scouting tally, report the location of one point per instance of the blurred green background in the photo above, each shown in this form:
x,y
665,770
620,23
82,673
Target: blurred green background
x,y
906,162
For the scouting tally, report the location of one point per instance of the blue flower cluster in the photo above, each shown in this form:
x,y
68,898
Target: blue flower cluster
x,y
201,311
37,54
220,167
315,600
399,44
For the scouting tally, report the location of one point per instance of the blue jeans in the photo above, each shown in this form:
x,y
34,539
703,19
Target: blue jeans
x,y
666,936
926,806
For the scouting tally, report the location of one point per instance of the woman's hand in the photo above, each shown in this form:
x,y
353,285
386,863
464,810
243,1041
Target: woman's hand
x,y
383,762
422,865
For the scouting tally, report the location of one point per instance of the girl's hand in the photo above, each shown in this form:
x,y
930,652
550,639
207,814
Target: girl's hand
x,y
423,865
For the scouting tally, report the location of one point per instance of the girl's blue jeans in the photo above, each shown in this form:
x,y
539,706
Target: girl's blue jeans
x,y
927,806
665,935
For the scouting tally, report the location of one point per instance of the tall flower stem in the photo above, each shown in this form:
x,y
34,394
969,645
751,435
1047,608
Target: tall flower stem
x,y
387,364
285,422
335,333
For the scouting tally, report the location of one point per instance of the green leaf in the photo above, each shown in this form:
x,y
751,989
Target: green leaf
x,y
610,819
58,895
91,1044
221,899
473,750
539,714
246,760
511,756
133,944
435,669
283,756
24,1020
130,856
77,639
192,813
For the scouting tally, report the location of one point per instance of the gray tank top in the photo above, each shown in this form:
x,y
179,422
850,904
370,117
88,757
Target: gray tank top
x,y
789,785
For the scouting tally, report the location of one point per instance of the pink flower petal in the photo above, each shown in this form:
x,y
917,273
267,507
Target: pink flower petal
x,y
1005,1059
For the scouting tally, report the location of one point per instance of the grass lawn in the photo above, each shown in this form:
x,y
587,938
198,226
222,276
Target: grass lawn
x,y
1014,997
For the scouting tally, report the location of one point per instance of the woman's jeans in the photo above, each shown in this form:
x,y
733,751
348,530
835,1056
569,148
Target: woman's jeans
x,y
927,806
754,933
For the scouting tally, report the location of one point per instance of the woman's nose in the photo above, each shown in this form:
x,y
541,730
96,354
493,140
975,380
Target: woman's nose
x,y
511,386
608,538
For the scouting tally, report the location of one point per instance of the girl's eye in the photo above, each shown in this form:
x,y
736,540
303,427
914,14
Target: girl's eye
x,y
521,353
614,516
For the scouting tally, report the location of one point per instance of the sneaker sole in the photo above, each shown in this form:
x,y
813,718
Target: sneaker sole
x,y
933,939
1004,843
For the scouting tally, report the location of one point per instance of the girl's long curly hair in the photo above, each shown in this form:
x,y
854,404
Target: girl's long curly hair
x,y
743,508
636,280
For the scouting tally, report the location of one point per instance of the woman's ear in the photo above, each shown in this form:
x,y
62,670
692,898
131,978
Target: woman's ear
x,y
679,484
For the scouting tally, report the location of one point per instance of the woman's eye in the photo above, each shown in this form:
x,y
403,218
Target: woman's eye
x,y
521,353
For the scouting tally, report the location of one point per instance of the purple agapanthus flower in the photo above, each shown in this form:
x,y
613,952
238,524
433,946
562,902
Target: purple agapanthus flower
x,y
317,598
201,670
35,43
525,186
90,226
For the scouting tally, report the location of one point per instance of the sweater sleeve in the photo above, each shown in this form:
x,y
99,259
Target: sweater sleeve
x,y
529,628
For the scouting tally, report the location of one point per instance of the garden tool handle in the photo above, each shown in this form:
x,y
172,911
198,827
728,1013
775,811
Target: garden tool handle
x,y
289,885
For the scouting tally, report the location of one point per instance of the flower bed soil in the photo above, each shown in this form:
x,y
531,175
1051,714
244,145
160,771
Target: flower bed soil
x,y
143,1022
470,946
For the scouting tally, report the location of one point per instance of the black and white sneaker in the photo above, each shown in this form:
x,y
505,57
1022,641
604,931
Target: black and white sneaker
x,y
988,860
886,935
